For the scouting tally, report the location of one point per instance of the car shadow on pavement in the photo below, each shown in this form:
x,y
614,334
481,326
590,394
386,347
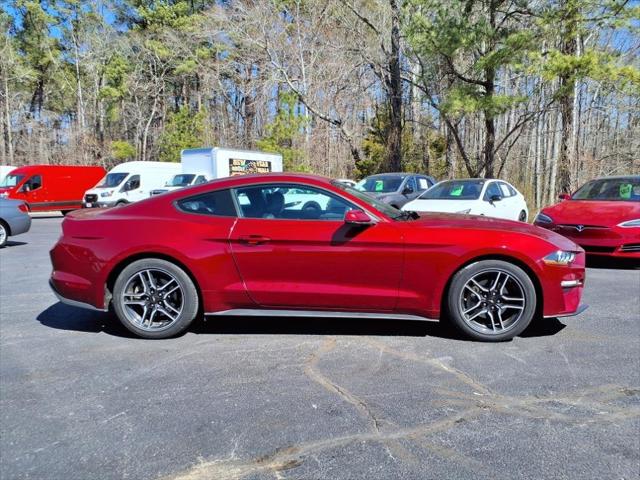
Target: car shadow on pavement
x,y
613,263
11,243
65,317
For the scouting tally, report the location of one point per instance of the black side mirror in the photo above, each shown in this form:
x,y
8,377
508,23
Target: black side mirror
x,y
407,190
495,198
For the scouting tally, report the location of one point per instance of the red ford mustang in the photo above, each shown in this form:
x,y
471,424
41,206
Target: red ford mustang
x,y
603,217
299,245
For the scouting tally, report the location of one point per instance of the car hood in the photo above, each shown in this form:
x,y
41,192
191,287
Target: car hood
x,y
478,222
451,206
593,212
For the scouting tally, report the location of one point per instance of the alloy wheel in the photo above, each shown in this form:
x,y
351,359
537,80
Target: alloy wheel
x,y
492,301
152,299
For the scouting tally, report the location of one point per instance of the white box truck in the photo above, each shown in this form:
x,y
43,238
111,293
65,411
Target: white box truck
x,y
200,165
129,182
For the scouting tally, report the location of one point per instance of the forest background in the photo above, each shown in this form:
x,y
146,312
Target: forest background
x,y
545,94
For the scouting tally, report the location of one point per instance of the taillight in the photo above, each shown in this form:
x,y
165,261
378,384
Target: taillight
x,y
23,208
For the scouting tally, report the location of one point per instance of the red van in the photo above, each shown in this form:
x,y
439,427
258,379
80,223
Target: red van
x,y
50,187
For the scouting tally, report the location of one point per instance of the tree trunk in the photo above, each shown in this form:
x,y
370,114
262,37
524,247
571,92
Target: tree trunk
x,y
394,92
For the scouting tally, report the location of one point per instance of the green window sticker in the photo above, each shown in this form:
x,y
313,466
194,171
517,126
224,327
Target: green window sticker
x,y
457,190
625,190
379,187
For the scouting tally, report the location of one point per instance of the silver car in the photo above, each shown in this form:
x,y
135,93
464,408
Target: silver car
x,y
14,219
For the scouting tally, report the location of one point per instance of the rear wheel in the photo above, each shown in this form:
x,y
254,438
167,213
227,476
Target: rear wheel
x,y
491,300
4,234
155,298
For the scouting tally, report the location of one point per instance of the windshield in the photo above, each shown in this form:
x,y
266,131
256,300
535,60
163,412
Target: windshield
x,y
181,180
625,189
388,210
11,181
112,180
454,190
380,183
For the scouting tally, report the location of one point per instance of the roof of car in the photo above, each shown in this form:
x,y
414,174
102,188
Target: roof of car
x,y
617,177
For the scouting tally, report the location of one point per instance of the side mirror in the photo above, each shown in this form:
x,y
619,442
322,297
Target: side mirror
x,y
495,198
407,190
358,217
564,196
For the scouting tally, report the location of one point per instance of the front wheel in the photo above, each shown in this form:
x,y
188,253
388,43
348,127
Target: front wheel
x,y
491,300
155,298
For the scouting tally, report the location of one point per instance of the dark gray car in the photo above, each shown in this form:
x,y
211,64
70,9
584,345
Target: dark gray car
x,y
396,189
14,219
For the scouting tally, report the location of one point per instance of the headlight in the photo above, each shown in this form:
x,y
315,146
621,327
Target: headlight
x,y
106,194
630,223
542,218
464,211
560,257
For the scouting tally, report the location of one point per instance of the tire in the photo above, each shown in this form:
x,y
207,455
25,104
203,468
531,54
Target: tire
x,y
65,212
162,308
120,203
491,300
523,216
4,234
311,206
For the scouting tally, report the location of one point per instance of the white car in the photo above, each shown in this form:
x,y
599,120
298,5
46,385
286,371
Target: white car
x,y
475,196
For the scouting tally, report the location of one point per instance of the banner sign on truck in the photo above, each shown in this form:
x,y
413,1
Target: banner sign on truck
x,y
238,166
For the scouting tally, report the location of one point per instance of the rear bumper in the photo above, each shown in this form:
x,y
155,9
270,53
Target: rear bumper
x,y
74,303
19,224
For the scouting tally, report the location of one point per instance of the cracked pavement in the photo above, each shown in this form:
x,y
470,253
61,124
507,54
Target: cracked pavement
x,y
262,398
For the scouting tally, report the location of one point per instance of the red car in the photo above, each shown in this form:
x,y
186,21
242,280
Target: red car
x,y
301,245
50,187
603,217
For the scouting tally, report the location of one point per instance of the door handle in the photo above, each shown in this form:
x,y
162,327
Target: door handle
x,y
254,239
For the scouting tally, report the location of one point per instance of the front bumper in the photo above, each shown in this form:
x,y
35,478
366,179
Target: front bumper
x,y
98,204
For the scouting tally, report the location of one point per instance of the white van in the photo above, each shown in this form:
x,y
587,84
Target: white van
x,y
199,165
129,182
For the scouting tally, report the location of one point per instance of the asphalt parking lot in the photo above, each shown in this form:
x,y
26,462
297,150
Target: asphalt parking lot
x,y
312,399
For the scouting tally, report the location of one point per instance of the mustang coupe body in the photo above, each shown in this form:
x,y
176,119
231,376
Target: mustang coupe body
x,y
242,246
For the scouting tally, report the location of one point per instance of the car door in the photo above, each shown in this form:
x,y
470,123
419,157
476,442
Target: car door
x,y
511,208
493,208
308,258
33,193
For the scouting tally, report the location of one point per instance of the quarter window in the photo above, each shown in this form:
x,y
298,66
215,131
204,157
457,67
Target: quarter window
x,y
218,202
290,202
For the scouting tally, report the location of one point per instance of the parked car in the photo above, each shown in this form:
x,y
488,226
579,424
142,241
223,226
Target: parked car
x,y
602,216
200,165
129,182
50,187
348,182
14,219
395,189
492,198
357,258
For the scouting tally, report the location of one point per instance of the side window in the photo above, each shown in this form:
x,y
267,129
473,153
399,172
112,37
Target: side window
x,y
423,183
512,190
492,190
290,202
411,184
132,183
218,202
200,179
33,183
504,189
